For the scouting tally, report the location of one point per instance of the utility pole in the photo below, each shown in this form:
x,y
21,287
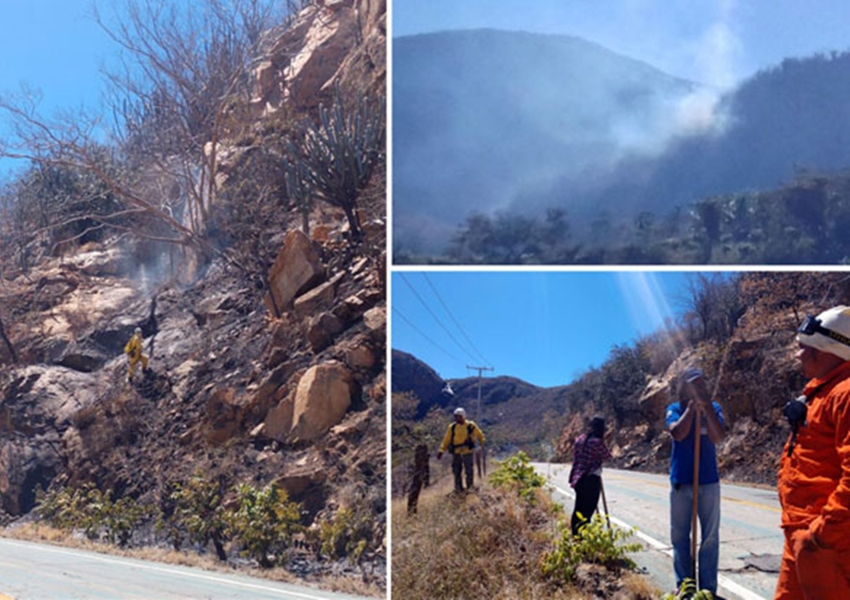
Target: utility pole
x,y
480,371
480,456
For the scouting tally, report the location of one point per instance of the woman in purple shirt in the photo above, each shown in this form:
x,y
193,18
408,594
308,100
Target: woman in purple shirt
x,y
589,452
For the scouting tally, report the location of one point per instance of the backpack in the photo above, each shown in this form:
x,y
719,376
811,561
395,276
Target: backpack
x,y
469,443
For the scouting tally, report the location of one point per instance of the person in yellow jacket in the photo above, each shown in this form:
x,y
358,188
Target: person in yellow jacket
x,y
459,441
133,350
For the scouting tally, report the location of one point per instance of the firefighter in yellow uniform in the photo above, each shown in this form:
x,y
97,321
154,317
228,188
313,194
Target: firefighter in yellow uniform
x,y
459,441
133,350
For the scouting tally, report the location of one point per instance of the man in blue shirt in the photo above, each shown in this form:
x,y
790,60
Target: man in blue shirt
x,y
695,407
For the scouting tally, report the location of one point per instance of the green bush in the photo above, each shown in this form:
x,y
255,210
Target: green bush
x,y
92,511
594,544
517,472
198,508
263,522
346,534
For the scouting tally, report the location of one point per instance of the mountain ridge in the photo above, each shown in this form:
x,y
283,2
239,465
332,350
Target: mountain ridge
x,y
473,97
621,163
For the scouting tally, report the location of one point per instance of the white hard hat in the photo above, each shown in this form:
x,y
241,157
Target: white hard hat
x,y
138,330
461,412
828,332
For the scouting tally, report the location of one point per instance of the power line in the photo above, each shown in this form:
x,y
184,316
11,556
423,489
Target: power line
x,y
435,317
451,316
420,332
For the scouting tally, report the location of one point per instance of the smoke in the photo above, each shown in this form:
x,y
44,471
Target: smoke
x,y
718,49
716,55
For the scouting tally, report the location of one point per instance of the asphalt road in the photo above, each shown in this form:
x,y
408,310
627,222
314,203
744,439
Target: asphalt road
x,y
750,537
30,571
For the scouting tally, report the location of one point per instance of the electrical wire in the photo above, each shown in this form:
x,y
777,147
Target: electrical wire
x,y
423,334
435,317
451,316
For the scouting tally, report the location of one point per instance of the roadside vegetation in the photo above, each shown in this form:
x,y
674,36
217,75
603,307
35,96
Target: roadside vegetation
x,y
40,532
506,540
262,524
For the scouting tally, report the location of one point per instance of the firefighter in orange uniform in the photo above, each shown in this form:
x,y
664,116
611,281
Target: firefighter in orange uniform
x,y
814,477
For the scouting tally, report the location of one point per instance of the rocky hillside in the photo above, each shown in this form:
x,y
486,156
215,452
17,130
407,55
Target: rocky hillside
x,y
268,376
750,365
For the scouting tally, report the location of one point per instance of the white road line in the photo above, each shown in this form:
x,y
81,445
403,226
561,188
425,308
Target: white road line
x,y
723,581
179,572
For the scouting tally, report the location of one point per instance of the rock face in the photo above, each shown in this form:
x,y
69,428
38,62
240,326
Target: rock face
x,y
39,403
24,467
333,40
221,371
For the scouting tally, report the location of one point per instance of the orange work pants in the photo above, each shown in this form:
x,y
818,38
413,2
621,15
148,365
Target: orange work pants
x,y
811,574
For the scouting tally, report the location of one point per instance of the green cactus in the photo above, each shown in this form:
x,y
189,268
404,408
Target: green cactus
x,y
334,159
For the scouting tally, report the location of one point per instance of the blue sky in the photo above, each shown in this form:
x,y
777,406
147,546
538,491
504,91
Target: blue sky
x,y
542,327
715,42
56,48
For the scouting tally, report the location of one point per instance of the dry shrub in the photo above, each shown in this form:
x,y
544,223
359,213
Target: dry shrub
x,y
480,545
639,586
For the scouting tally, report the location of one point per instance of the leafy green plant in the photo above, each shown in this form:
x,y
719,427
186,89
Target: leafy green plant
x,y
346,534
593,544
517,472
198,507
122,518
92,511
263,522
689,591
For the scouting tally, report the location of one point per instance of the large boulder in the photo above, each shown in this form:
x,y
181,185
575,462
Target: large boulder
x,y
297,268
322,329
321,400
224,413
278,421
306,485
319,298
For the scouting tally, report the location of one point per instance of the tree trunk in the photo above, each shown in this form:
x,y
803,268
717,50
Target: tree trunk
x,y
219,548
8,343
